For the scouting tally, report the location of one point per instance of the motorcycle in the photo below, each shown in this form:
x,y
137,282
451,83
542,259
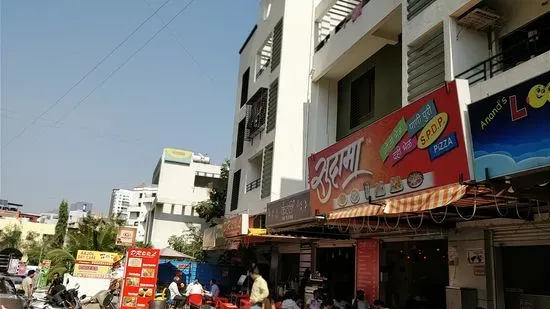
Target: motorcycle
x,y
67,298
105,299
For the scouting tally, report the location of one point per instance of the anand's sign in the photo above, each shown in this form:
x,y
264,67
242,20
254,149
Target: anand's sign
x,y
235,226
288,209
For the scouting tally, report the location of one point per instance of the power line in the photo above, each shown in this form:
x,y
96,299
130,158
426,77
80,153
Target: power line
x,y
123,63
180,41
58,101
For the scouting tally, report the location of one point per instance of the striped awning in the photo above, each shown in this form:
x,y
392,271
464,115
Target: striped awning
x,y
426,200
365,210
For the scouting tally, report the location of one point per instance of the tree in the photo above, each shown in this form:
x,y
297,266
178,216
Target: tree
x,y
34,247
61,226
141,244
10,237
189,243
214,207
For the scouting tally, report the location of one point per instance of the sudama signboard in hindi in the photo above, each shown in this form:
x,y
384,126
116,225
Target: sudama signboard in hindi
x,y
417,147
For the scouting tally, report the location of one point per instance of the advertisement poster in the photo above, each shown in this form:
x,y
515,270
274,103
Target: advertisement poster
x,y
43,275
368,268
12,267
140,278
22,269
476,256
126,236
510,129
93,264
415,148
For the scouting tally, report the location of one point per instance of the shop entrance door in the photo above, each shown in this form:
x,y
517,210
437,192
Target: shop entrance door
x,y
414,274
338,266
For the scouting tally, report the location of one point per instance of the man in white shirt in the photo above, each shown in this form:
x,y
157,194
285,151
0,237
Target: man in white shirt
x,y
195,288
175,294
28,285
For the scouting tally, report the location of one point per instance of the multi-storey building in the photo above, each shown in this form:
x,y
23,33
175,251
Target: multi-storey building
x,y
367,59
182,179
120,201
268,155
141,197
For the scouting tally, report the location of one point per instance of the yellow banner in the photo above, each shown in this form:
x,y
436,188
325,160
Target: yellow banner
x,y
92,271
95,257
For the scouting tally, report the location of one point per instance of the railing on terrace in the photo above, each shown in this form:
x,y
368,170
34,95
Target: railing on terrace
x,y
511,57
253,184
345,7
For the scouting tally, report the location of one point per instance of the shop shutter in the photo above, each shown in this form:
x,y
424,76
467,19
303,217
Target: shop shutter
x,y
266,171
336,243
528,234
426,64
414,7
305,259
272,106
277,45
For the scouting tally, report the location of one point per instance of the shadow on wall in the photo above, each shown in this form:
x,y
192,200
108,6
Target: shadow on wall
x,y
291,186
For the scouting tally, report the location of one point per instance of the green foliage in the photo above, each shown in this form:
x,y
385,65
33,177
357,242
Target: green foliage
x,y
62,261
141,244
10,237
61,226
214,207
94,233
189,243
34,247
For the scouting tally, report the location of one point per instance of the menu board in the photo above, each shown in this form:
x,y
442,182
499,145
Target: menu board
x,y
368,268
140,278
93,264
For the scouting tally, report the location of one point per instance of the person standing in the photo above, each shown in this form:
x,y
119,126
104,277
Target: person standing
x,y
28,285
259,290
214,290
175,294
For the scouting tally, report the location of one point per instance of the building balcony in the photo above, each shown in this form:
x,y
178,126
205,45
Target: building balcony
x,y
348,32
254,184
256,114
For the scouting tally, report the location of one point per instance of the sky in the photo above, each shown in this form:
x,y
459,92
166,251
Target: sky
x,y
178,91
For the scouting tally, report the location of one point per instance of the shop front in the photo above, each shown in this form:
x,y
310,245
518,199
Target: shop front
x,y
384,183
511,149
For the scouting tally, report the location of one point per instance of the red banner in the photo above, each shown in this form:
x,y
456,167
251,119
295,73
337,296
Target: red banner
x,y
415,148
140,278
368,268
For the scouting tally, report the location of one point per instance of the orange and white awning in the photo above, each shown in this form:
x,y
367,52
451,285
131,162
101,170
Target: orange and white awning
x,y
414,202
365,210
426,200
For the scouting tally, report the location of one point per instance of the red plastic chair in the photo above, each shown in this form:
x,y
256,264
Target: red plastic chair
x,y
220,301
195,300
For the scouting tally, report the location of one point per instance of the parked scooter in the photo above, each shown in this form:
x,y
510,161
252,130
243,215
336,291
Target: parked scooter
x,y
105,299
66,298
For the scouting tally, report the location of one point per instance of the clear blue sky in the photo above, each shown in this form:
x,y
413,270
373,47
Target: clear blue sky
x,y
161,98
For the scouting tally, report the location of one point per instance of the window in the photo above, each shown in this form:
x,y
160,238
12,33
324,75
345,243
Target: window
x,y
139,204
362,99
244,86
266,171
240,138
154,195
277,44
235,190
140,195
272,106
263,59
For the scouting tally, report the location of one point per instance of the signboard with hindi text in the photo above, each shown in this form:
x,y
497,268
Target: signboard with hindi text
x,y
140,278
93,264
288,209
417,147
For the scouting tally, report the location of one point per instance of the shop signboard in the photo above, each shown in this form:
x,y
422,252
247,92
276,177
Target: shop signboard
x,y
93,264
22,268
140,278
288,209
368,268
126,236
510,129
415,148
236,226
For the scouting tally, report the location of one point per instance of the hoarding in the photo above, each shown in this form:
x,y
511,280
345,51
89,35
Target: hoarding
x,y
93,264
126,236
140,278
510,129
236,225
178,156
415,148
288,209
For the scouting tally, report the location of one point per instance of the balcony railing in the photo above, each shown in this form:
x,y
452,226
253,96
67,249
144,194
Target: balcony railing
x,y
253,184
348,17
511,57
255,113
